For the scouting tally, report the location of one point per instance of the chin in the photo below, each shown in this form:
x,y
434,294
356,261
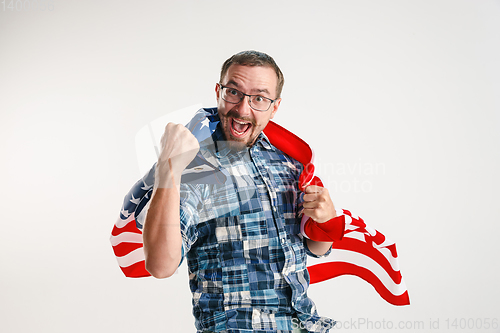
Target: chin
x,y
235,143
238,144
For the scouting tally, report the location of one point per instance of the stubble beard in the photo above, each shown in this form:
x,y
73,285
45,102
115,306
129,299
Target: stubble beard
x,y
236,144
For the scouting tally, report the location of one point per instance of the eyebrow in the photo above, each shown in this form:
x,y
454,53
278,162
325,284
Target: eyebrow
x,y
262,90
234,83
256,90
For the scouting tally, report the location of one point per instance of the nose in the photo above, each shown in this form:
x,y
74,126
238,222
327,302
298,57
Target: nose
x,y
244,108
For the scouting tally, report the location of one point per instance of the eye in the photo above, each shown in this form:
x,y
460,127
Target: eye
x,y
259,99
233,92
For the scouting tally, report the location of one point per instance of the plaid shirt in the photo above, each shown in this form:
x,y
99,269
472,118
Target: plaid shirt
x,y
246,260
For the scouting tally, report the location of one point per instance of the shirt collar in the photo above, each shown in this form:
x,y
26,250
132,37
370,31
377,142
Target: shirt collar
x,y
263,140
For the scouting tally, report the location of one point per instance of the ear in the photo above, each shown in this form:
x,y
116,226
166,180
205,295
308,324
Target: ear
x,y
217,91
275,108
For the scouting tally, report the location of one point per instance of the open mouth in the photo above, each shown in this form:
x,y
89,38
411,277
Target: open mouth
x,y
240,128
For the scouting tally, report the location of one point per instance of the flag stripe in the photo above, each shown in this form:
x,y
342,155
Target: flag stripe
x,y
121,223
126,237
330,270
123,249
360,259
136,270
368,250
131,258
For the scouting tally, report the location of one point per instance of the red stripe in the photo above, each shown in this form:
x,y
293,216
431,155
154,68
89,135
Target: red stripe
x,y
294,147
330,231
357,246
288,143
123,249
377,239
330,270
136,270
129,227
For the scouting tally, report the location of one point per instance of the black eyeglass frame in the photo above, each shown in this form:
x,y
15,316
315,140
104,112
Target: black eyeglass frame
x,y
249,100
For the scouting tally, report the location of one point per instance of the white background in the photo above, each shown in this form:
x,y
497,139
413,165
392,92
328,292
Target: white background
x,y
409,89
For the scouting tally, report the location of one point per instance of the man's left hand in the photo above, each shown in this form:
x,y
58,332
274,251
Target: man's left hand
x,y
317,204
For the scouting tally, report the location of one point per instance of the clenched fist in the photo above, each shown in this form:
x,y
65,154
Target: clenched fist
x,y
317,204
178,148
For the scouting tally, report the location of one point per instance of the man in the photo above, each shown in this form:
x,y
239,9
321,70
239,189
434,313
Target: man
x,y
246,260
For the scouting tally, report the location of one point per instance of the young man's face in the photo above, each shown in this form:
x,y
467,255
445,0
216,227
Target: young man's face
x,y
240,123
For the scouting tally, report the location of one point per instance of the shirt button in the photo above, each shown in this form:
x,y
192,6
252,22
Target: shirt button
x,y
283,240
293,303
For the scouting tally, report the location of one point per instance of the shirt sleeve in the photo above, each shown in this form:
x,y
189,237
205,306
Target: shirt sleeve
x,y
309,253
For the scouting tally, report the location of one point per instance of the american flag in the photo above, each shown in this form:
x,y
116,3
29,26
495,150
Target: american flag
x,y
362,251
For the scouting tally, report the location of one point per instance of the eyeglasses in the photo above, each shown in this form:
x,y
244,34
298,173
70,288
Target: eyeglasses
x,y
256,102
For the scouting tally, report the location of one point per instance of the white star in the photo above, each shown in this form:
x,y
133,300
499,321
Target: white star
x,y
146,187
134,200
205,123
125,213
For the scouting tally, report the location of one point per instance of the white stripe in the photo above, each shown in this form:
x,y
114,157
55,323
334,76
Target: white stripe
x,y
131,258
393,261
388,255
354,216
348,219
387,242
126,237
356,235
121,223
350,226
365,262
371,231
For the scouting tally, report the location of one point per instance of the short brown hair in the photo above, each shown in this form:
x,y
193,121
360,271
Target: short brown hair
x,y
254,58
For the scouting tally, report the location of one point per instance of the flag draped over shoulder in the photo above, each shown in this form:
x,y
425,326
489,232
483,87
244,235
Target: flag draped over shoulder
x,y
361,251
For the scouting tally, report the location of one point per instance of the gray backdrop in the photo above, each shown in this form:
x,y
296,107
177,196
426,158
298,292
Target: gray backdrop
x,y
399,99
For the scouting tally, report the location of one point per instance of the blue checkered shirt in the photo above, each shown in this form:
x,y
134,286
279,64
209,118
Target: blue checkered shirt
x,y
246,260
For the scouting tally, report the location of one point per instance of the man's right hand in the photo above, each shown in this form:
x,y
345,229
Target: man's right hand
x,y
162,230
178,148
